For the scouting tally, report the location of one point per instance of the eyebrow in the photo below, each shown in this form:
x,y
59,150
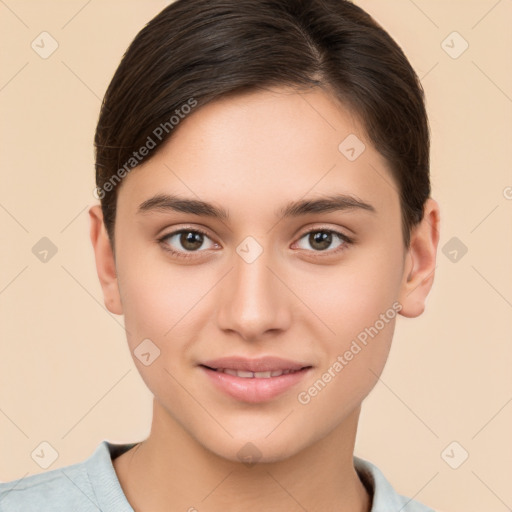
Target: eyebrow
x,y
330,203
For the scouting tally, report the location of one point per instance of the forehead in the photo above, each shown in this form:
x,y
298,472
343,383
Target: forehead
x,y
250,150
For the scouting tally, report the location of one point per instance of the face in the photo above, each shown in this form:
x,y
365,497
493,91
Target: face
x,y
305,263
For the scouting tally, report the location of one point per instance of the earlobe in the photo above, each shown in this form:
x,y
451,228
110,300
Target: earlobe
x,y
420,262
105,261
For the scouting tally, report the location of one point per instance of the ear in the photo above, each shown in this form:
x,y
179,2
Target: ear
x,y
420,262
105,261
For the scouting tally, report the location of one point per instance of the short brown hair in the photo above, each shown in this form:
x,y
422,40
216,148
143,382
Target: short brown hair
x,y
203,50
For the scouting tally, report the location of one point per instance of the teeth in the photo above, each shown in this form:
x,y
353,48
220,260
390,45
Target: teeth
x,y
258,375
242,373
264,375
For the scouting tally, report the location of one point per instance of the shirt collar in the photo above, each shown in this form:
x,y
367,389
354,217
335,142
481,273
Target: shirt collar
x,y
385,498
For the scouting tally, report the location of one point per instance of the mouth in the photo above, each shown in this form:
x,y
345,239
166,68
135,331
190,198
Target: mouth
x,y
244,374
260,365
254,380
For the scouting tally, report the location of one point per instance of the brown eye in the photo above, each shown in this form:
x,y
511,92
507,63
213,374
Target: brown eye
x,y
320,240
186,240
323,239
191,240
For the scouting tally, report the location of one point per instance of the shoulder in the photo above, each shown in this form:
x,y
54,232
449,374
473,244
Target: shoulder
x,y
82,486
56,490
385,498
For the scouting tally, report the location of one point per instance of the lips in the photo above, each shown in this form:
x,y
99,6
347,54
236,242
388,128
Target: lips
x,y
251,375
262,367
254,380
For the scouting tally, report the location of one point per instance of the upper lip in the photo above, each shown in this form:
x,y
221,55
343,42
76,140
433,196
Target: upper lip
x,y
261,364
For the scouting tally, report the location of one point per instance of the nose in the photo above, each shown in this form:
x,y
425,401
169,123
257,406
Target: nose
x,y
254,302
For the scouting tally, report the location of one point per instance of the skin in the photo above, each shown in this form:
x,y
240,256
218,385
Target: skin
x,y
252,154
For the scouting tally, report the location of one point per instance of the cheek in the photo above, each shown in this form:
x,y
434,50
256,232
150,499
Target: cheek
x,y
153,292
362,316
352,296
152,311
357,301
148,306
163,302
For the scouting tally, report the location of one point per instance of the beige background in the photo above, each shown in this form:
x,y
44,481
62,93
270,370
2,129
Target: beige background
x,y
66,376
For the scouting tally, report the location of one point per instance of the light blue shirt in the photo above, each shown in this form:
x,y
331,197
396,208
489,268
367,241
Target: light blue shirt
x,y
92,485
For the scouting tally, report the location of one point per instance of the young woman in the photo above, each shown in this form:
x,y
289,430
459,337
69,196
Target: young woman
x,y
263,171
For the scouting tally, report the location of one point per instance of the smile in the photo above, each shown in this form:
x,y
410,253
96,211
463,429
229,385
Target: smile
x,y
253,387
250,375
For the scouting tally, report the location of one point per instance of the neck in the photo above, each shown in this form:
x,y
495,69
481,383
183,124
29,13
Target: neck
x,y
171,471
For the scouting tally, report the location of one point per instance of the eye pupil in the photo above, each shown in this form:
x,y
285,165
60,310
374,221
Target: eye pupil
x,y
323,238
191,240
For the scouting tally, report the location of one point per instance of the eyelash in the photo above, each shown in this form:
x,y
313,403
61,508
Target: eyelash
x,y
186,255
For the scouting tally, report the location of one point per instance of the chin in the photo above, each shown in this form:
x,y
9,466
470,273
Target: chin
x,y
256,450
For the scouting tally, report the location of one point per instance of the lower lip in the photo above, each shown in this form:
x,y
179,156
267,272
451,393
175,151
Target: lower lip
x,y
255,389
